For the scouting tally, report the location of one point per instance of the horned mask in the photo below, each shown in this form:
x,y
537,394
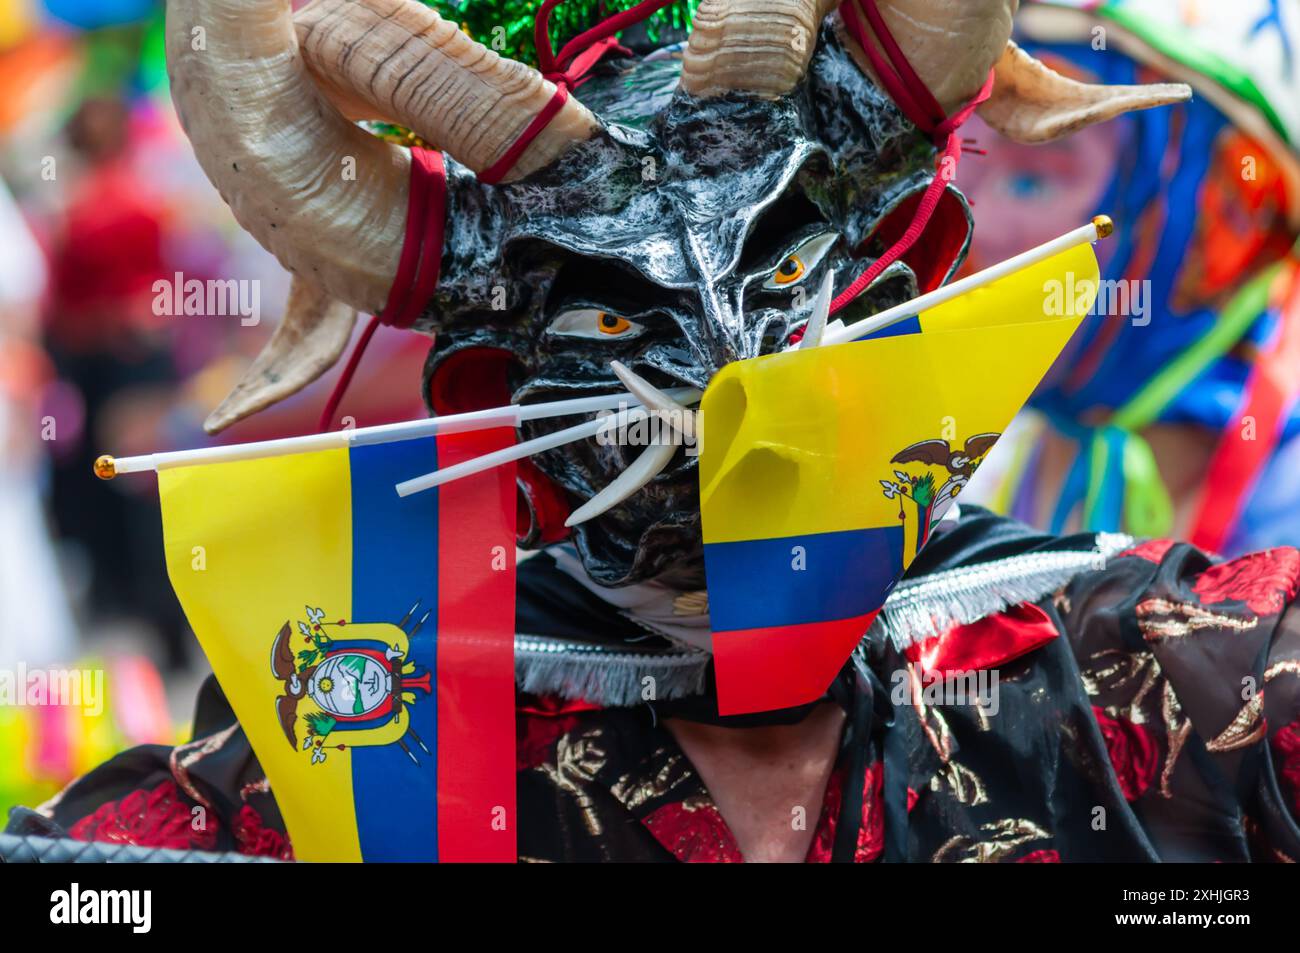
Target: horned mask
x,y
678,216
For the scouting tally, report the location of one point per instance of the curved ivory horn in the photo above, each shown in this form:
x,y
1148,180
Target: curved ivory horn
x,y
752,46
952,44
399,61
1033,103
326,198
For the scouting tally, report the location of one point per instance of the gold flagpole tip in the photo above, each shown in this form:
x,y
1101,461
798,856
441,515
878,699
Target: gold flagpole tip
x,y
106,467
1104,225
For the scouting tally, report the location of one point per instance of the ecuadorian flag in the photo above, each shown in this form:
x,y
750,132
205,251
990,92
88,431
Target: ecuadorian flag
x,y
822,471
365,641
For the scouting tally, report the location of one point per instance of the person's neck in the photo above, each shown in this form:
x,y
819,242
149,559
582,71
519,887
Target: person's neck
x,y
767,782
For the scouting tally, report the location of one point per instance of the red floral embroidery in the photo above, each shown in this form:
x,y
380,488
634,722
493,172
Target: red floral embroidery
x,y
535,737
1264,581
695,832
258,840
1152,550
1133,753
1041,857
871,835
158,818
1286,747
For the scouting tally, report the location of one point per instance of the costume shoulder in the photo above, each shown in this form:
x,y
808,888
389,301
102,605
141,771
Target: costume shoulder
x,y
1193,666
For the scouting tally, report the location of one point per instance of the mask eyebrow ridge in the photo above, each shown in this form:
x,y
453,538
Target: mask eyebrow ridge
x,y
789,215
604,283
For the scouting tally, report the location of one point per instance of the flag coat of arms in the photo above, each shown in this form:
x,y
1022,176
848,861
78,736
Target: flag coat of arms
x,y
364,641
823,470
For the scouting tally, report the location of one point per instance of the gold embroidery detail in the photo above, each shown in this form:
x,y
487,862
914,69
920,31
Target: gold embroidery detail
x,y
1103,677
940,737
964,783
186,755
1287,667
692,603
1186,618
1117,675
1246,729
578,759
1007,835
633,791
1177,730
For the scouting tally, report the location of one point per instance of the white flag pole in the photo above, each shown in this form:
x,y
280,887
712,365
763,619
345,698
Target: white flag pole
x,y
512,415
1099,227
529,447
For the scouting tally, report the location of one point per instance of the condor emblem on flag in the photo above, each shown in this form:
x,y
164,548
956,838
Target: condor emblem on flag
x,y
823,470
364,641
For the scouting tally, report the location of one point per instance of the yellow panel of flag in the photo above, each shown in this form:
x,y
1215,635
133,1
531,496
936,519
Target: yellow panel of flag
x,y
823,470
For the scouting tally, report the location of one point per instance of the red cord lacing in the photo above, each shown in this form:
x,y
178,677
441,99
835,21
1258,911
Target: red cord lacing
x,y
917,103
417,269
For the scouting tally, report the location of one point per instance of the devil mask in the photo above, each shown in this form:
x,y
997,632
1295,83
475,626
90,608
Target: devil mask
x,y
676,219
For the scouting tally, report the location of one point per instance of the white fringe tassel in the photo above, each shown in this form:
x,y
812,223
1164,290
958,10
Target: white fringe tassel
x,y
607,676
925,608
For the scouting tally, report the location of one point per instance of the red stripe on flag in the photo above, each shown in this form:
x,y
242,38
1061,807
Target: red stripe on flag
x,y
782,666
476,661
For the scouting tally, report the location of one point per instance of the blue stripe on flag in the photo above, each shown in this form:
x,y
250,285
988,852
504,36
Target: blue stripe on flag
x,y
756,584
395,565
910,325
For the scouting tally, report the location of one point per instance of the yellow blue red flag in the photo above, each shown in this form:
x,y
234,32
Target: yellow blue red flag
x,y
823,470
364,641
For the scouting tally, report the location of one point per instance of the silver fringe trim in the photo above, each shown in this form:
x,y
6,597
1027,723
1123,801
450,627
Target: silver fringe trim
x,y
915,611
925,608
607,675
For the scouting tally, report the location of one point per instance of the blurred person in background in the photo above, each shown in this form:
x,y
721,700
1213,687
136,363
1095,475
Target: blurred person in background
x,y
1174,411
113,351
35,624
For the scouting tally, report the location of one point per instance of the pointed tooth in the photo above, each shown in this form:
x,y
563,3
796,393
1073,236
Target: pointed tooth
x,y
641,471
673,411
816,328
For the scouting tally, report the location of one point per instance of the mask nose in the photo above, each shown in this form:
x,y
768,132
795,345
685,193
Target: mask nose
x,y
729,333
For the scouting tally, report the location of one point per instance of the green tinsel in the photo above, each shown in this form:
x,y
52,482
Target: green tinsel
x,y
506,26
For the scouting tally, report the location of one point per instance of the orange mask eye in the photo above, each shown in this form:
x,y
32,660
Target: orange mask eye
x,y
799,261
789,271
593,323
612,324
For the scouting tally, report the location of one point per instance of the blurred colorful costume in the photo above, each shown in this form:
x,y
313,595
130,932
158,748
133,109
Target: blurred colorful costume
x,y
1207,194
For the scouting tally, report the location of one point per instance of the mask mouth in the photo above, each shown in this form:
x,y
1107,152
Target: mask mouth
x,y
623,440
